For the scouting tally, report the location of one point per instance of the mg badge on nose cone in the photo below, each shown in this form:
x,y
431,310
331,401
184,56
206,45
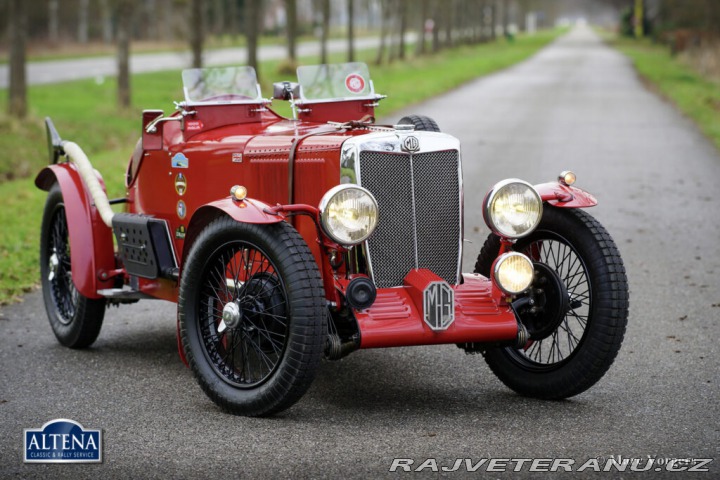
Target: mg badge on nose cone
x,y
439,305
411,144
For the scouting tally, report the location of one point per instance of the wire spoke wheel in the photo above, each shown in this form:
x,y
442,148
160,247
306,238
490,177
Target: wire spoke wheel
x,y
75,319
577,321
245,350
556,335
62,288
252,315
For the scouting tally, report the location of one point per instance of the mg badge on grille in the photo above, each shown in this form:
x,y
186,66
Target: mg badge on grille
x,y
439,305
411,144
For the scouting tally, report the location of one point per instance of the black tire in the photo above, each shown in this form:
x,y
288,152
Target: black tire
x,y
75,319
582,324
267,360
421,122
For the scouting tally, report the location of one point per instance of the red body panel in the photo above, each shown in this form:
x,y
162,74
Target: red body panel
x,y
396,318
91,243
559,195
230,145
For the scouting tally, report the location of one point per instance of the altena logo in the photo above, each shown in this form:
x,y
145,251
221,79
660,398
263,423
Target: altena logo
x,y
63,441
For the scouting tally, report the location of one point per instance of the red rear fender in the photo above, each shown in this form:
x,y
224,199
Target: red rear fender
x,y
559,195
91,243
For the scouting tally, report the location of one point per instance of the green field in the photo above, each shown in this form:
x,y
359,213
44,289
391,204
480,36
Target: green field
x,y
85,112
678,82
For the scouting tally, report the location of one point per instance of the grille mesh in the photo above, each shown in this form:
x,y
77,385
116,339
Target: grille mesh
x,y
437,206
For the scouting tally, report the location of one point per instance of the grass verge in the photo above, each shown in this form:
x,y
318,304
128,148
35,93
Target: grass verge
x,y
84,111
693,94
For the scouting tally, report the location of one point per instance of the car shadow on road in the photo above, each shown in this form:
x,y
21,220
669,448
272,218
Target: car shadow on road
x,y
409,383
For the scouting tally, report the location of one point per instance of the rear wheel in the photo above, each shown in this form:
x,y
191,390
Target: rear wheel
x,y
580,305
421,122
252,315
75,319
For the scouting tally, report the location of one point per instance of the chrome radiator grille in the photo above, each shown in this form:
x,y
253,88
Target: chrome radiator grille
x,y
419,200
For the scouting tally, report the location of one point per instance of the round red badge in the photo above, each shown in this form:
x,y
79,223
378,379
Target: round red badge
x,y
354,83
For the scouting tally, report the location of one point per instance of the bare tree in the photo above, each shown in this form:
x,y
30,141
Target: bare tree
x,y
17,105
351,30
291,14
505,18
83,8
232,14
325,30
437,14
124,15
252,31
448,14
197,31
402,15
424,8
107,21
53,32
385,14
493,20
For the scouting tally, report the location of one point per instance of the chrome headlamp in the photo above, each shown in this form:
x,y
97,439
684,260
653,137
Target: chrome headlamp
x,y
348,214
512,209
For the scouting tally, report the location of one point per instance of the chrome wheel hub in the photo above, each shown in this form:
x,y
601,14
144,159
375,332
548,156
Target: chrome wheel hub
x,y
53,265
232,315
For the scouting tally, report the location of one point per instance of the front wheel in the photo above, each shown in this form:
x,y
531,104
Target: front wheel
x,y
75,319
580,306
252,315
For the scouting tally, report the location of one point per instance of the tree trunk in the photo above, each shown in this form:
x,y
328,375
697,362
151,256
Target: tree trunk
x,y
53,34
436,26
17,105
107,24
168,19
125,9
218,7
232,24
506,18
197,31
83,8
351,30
493,20
420,47
383,32
291,14
252,29
325,31
448,19
403,28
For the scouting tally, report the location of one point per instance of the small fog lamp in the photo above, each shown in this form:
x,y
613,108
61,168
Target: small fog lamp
x,y
513,273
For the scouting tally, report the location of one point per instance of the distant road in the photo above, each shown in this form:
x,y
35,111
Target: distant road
x,y
55,71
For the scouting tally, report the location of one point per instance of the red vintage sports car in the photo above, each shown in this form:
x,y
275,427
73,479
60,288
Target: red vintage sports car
x,y
286,240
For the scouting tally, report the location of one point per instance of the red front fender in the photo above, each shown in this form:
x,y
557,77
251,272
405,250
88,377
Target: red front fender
x,y
559,195
247,211
91,243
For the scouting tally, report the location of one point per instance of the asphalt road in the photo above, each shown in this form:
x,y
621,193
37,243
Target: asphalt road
x,y
578,105
54,71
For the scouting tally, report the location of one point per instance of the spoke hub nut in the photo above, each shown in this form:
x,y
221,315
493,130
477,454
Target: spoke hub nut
x,y
232,315
53,265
